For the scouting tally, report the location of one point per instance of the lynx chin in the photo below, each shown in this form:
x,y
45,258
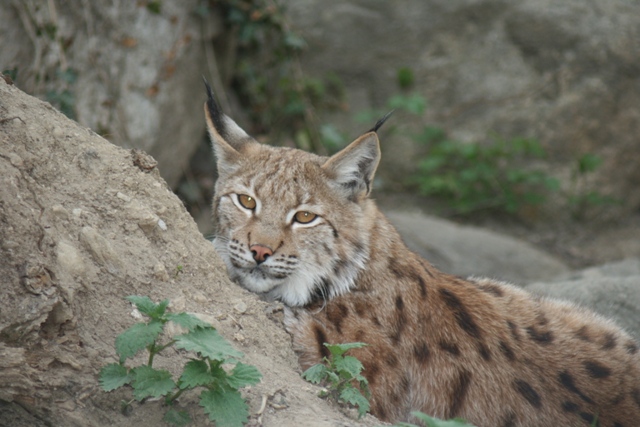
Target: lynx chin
x,y
301,228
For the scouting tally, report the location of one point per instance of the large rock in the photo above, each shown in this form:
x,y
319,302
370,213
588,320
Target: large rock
x,y
139,69
565,72
611,289
83,224
467,250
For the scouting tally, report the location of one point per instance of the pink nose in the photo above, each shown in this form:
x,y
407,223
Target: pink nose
x,y
260,253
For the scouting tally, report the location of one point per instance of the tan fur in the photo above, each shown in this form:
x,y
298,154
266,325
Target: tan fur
x,y
477,349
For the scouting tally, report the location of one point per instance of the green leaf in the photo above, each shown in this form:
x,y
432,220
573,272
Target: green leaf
x,y
354,397
149,382
196,373
177,418
209,343
137,338
113,376
148,307
349,365
243,375
188,321
225,407
315,374
340,349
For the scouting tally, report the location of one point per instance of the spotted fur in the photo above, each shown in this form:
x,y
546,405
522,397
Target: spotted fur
x,y
473,348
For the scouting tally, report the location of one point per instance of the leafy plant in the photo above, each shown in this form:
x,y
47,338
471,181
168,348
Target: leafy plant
x,y
220,397
267,75
474,176
580,196
343,375
434,422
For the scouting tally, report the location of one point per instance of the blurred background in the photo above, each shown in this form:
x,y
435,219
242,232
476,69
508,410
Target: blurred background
x,y
519,116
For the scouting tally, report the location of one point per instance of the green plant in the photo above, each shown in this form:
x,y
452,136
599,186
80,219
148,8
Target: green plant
x,y
343,375
474,176
434,422
63,97
580,195
220,397
266,73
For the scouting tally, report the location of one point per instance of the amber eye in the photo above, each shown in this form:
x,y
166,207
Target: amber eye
x,y
304,217
247,202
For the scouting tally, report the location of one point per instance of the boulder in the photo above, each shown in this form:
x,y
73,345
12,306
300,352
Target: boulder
x,y
129,70
612,290
83,224
472,251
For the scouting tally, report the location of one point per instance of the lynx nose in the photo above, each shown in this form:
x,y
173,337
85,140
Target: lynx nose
x,y
260,253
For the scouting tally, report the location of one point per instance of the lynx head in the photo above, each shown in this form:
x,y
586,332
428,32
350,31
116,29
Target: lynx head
x,y
290,224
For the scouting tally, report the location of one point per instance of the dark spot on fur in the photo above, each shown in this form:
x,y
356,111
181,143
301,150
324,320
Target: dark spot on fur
x,y
375,320
506,350
514,330
617,424
371,372
464,319
391,360
541,319
583,334
568,406
490,288
509,420
566,380
321,338
542,337
609,341
405,384
588,417
402,271
635,395
360,335
449,347
459,392
426,270
336,313
632,347
484,352
360,307
530,395
399,303
421,353
596,369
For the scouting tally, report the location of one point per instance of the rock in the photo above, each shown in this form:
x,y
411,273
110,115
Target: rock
x,y
65,277
564,73
612,290
129,72
472,251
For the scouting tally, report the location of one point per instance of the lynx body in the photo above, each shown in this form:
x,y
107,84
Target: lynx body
x,y
300,228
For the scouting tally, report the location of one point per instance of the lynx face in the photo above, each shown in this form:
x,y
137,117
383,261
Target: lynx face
x,y
290,224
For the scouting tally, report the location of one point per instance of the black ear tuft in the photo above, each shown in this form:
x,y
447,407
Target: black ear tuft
x,y
381,121
215,112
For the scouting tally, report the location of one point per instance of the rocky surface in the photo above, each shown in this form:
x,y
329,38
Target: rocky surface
x,y
83,224
467,250
127,70
565,73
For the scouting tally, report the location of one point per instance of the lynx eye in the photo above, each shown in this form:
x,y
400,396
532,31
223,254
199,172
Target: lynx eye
x,y
247,202
304,217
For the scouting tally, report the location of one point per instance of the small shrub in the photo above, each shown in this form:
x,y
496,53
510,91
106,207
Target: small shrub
x,y
220,397
434,422
343,376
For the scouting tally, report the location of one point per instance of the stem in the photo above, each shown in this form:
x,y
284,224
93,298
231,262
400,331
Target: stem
x,y
170,399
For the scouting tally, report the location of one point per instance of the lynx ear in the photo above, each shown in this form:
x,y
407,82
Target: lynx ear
x,y
353,167
227,137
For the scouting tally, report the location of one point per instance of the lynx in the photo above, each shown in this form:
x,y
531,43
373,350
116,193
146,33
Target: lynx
x,y
302,229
